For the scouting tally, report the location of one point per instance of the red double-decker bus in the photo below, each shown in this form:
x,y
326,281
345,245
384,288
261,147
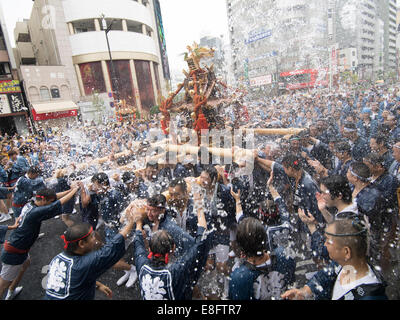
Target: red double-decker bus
x,y
305,78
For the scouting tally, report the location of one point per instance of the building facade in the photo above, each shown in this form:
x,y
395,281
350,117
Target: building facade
x,y
308,41
14,117
369,26
272,37
128,63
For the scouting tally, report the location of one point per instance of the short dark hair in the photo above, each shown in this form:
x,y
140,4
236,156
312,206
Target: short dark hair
x,y
338,186
381,139
179,182
128,177
212,172
343,146
24,149
12,153
101,178
292,161
157,200
75,232
47,194
375,159
161,242
251,237
35,170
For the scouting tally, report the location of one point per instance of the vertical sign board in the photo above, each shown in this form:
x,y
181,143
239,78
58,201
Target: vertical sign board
x,y
4,105
16,102
11,100
161,39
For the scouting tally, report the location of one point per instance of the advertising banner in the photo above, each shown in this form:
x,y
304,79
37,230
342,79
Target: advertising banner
x,y
4,105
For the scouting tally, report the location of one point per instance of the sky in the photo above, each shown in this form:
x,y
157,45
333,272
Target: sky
x,y
185,21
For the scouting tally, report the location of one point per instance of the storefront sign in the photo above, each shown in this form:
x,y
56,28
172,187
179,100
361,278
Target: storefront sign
x,y
258,35
261,81
16,102
53,115
4,105
10,86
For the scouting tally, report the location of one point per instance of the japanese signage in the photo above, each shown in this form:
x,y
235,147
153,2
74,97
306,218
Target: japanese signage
x,y
12,103
260,81
10,86
16,102
4,105
258,35
53,115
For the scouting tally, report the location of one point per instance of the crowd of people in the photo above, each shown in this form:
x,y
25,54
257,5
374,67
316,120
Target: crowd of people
x,y
316,218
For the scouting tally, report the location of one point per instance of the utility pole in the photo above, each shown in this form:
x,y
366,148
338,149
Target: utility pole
x,y
114,80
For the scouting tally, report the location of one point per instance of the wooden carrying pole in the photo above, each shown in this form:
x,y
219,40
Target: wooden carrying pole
x,y
275,131
187,149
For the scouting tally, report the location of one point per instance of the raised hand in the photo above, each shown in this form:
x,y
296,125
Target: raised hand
x,y
321,201
235,196
306,218
293,294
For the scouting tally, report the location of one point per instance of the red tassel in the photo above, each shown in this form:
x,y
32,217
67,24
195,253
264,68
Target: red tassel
x,y
201,122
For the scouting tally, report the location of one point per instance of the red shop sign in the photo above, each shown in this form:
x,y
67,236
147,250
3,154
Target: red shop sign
x,y
54,115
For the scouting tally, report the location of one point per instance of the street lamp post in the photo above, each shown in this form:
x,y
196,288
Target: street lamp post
x,y
114,80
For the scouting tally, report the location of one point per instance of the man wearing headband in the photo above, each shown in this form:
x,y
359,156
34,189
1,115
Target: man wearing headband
x,y
14,257
379,143
25,188
22,162
370,203
349,276
359,146
159,217
366,125
111,204
73,274
387,184
394,168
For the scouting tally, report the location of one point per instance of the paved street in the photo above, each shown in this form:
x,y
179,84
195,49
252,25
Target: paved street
x,y
49,246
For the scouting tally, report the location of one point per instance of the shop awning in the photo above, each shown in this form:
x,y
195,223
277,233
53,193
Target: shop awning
x,y
54,110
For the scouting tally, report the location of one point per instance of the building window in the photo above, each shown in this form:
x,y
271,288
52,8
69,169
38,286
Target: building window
x,y
44,94
4,69
145,84
84,26
157,76
34,94
125,83
92,78
55,92
134,26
